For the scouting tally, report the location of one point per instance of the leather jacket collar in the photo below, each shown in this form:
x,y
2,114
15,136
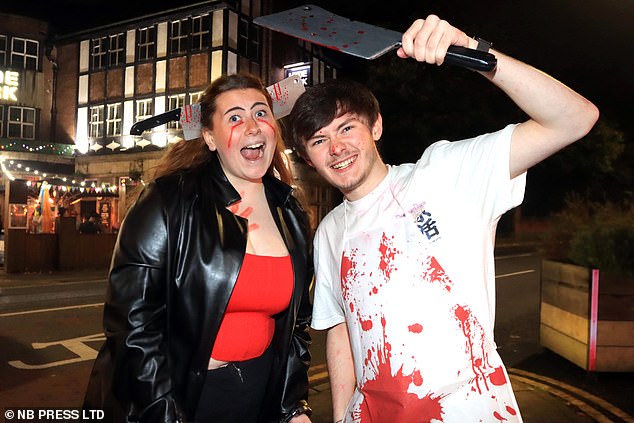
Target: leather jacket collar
x,y
277,191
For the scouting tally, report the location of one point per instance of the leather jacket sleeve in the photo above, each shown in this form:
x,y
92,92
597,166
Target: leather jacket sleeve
x,y
295,389
135,313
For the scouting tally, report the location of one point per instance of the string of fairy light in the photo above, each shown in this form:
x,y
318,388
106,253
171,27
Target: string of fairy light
x,y
66,183
35,147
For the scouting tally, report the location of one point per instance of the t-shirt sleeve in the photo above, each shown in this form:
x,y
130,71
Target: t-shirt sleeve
x,y
327,304
478,169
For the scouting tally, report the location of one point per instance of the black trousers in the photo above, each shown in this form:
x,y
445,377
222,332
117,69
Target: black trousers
x,y
234,393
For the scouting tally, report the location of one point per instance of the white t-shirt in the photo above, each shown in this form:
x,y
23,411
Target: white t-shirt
x,y
410,269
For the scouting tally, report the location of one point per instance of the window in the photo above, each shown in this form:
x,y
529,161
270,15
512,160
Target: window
x,y
194,97
143,109
248,40
95,129
113,120
178,37
98,50
116,51
201,28
24,53
175,102
3,50
146,47
1,120
21,123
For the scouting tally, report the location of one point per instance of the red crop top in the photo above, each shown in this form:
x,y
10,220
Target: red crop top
x,y
263,289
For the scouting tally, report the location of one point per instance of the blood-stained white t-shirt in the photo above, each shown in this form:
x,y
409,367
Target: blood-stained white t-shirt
x,y
410,269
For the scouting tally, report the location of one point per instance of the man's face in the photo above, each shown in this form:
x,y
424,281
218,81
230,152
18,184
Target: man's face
x,y
344,153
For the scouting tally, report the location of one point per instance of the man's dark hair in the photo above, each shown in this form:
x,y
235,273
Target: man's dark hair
x,y
323,103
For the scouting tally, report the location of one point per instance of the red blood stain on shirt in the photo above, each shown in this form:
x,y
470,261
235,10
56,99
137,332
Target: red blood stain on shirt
x,y
386,397
365,324
348,273
415,328
417,378
497,416
436,274
511,410
497,377
388,252
476,348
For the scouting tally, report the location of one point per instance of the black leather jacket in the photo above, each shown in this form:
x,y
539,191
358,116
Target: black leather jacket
x,y
173,269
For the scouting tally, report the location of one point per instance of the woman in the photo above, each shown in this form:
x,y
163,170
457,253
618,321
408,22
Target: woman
x,y
207,312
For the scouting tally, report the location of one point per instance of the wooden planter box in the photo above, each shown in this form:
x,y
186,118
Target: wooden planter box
x,y
587,317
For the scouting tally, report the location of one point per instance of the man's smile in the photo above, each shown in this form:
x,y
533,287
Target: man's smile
x,y
345,163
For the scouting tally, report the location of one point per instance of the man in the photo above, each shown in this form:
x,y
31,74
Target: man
x,y
88,226
404,266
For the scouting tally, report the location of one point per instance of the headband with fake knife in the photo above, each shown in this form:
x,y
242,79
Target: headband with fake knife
x,y
283,93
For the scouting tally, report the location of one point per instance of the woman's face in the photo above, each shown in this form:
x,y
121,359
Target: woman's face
x,y
243,134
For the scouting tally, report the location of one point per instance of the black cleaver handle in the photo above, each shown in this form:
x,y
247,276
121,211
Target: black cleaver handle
x,y
470,58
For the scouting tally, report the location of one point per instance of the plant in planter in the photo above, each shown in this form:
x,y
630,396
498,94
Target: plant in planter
x,y
587,285
593,235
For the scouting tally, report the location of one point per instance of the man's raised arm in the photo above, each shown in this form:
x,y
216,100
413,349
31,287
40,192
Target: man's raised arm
x,y
558,115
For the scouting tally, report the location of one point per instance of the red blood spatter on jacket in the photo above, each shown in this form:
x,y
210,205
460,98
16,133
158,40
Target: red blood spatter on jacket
x,y
386,397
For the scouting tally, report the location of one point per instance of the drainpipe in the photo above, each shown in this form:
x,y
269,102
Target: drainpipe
x,y
51,54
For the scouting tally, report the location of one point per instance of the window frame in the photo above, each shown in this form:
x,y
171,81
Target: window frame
x,y
200,32
116,49
96,126
146,43
113,122
21,123
27,58
98,53
175,101
148,105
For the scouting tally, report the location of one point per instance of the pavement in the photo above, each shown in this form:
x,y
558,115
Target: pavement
x,y
541,399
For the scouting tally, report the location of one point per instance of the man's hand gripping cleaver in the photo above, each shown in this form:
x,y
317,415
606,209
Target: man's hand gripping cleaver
x,y
316,25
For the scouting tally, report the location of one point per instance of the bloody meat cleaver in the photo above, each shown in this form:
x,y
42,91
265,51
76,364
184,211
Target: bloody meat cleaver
x,y
319,26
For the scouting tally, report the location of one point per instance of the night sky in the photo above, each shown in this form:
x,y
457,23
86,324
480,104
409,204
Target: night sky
x,y
588,44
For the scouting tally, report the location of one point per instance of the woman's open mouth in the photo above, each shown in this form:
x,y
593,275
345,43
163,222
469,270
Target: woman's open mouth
x,y
253,151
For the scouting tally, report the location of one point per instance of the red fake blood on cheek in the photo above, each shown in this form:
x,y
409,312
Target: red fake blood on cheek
x,y
267,124
231,134
386,397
